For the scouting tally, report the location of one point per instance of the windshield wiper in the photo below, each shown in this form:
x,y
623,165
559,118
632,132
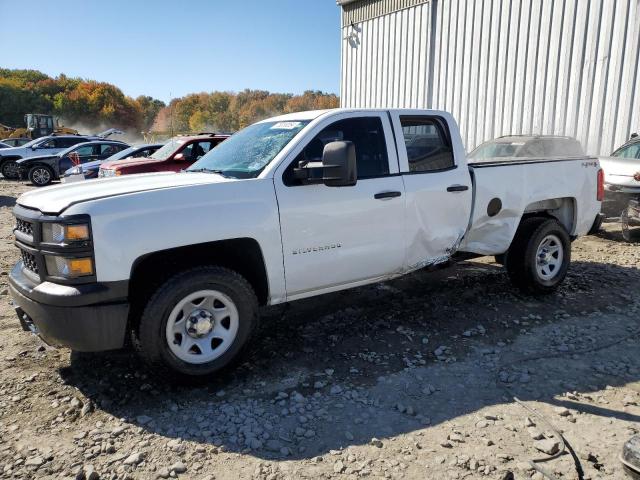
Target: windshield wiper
x,y
209,170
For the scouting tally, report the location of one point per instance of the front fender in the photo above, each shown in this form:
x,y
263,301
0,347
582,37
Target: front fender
x,y
128,226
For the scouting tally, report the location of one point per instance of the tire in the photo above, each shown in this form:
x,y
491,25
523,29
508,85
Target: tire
x,y
165,332
10,170
40,175
527,270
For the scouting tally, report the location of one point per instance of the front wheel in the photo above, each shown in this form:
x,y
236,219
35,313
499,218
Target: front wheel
x,y
197,322
40,175
10,170
539,256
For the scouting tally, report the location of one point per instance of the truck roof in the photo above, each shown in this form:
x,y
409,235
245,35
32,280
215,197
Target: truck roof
x,y
313,114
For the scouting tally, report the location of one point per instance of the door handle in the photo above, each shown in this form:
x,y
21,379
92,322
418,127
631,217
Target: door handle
x,y
383,195
457,188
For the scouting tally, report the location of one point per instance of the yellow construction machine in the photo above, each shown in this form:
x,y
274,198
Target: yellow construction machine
x,y
37,125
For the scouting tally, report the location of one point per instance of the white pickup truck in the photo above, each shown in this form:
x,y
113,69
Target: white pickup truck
x,y
290,207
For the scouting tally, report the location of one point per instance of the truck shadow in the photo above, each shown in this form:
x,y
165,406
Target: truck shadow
x,y
7,201
387,359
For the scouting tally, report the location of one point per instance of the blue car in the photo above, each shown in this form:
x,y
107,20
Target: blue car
x,y
42,170
90,170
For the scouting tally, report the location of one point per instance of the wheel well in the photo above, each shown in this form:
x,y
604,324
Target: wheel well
x,y
562,209
8,159
242,255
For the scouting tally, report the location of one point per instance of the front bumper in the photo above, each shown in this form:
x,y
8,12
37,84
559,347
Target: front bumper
x,y
87,318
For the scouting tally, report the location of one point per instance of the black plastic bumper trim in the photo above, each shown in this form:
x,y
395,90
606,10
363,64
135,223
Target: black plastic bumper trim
x,y
91,328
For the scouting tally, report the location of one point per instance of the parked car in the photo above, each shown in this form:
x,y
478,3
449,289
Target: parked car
x,y
621,177
177,154
42,170
41,146
4,145
622,168
16,142
528,146
288,208
90,169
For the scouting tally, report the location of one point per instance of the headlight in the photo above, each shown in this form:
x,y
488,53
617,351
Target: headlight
x,y
108,173
60,233
68,267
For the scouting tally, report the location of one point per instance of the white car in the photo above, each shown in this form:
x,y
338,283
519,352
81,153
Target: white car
x,y
288,208
622,168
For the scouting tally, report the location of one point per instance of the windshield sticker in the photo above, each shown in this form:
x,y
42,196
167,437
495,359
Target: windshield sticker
x,y
285,126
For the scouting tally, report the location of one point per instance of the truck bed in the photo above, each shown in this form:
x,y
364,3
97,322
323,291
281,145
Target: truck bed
x,y
507,189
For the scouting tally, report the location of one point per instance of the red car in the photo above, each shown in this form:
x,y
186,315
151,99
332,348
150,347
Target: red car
x,y
177,154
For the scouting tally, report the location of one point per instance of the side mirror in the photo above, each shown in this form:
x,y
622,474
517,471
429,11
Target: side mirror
x,y
339,162
179,156
337,168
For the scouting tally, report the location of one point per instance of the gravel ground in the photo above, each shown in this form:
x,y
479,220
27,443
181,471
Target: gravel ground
x,y
413,378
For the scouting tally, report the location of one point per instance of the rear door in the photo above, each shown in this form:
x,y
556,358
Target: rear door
x,y
438,189
335,237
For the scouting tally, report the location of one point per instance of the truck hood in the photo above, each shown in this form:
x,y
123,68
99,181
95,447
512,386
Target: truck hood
x,y
128,162
56,199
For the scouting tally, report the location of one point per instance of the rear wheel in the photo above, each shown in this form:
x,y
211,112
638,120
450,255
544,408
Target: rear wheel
x,y
539,256
197,322
40,175
10,170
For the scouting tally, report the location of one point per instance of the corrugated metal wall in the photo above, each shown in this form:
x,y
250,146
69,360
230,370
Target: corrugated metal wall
x,y
564,67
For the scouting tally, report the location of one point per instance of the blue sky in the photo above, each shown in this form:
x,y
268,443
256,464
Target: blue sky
x,y
156,47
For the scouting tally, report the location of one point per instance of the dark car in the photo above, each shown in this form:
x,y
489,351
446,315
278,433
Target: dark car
x,y
90,170
51,145
177,154
527,146
42,170
16,142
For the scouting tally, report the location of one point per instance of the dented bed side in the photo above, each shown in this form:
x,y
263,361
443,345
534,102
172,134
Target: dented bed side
x,y
505,191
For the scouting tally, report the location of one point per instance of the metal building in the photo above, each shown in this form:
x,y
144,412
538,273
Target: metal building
x,y
564,67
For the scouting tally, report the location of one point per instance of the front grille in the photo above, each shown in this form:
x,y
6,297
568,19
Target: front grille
x,y
29,261
24,227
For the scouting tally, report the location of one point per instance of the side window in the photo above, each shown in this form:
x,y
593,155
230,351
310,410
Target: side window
x,y
428,144
630,151
146,152
107,150
367,135
49,144
187,151
200,149
85,151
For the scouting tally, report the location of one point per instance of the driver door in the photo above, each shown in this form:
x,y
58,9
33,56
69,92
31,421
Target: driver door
x,y
337,237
